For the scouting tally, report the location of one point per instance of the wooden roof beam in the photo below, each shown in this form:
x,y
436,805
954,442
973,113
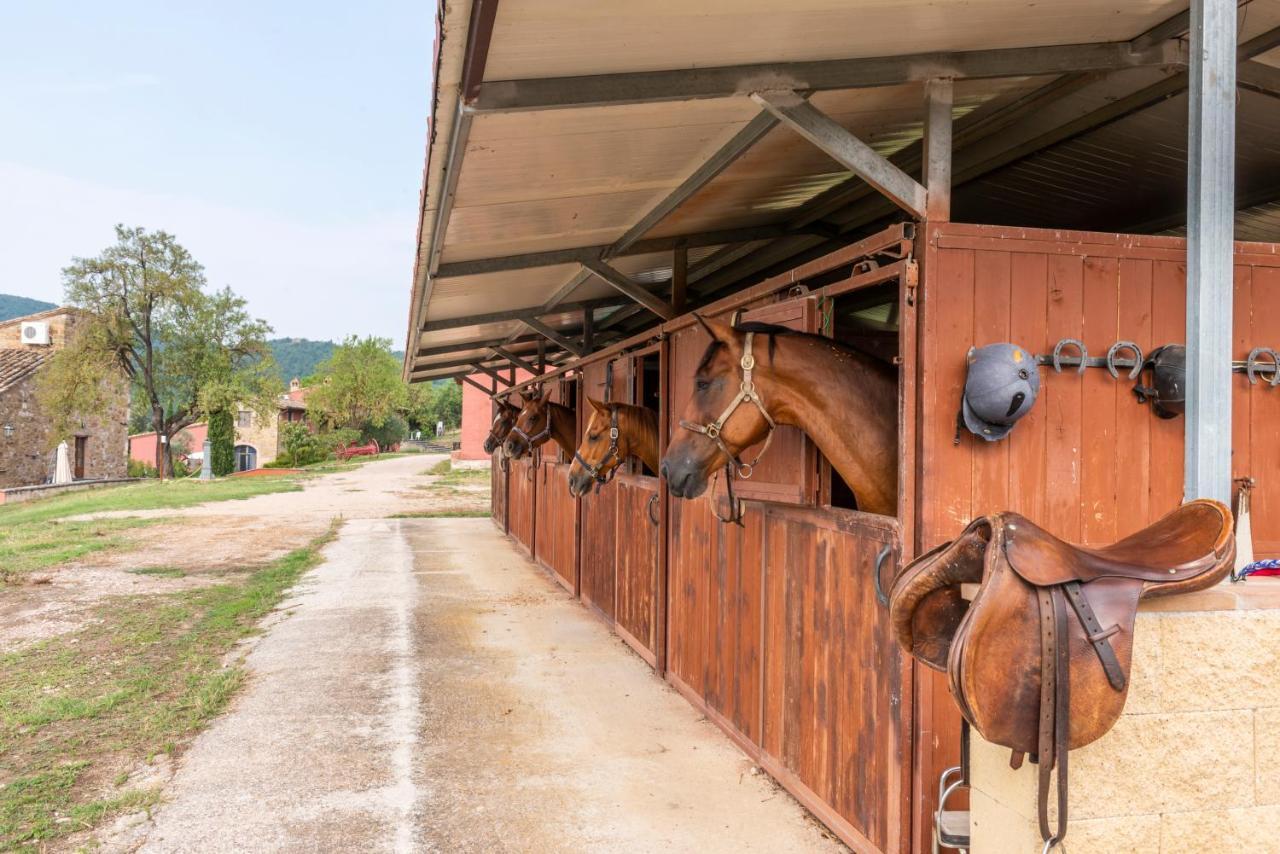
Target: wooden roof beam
x,y
554,337
846,149
516,314
636,292
647,87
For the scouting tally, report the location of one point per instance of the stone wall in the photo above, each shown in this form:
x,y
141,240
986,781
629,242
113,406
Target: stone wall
x,y
27,457
262,434
61,325
1194,762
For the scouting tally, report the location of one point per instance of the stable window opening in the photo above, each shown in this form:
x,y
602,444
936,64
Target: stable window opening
x,y
865,320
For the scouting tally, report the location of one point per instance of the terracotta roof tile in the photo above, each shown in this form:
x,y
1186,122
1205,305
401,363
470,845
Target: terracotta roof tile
x,y
16,363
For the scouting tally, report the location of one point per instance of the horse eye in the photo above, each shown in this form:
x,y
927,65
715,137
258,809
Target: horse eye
x,y
593,436
702,385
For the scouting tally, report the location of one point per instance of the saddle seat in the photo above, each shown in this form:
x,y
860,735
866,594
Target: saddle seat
x,y
1177,547
1039,660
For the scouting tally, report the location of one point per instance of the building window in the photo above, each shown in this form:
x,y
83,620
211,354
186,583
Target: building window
x,y
244,418
246,457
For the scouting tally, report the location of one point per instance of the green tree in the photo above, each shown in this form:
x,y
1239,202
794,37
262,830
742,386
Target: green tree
x,y
146,313
222,441
359,387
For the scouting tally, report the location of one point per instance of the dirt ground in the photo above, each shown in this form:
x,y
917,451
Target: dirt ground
x,y
209,540
426,688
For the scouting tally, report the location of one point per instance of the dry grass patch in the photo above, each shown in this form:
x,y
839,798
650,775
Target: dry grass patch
x,y
78,712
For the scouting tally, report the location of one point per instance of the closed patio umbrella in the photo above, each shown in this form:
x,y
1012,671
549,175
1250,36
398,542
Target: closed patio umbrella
x,y
62,468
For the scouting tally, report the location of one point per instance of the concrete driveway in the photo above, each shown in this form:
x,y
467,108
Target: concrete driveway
x,y
429,689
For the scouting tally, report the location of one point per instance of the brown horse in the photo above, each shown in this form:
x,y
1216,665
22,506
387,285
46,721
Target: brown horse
x,y
502,424
847,403
616,431
539,421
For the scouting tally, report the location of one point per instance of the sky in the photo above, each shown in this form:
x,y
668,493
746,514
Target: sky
x,y
281,142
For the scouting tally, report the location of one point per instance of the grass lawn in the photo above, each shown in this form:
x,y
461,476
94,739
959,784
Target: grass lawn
x,y
79,712
328,466
36,535
442,514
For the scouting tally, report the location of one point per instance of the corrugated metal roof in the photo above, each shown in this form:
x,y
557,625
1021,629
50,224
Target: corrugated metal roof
x,y
554,179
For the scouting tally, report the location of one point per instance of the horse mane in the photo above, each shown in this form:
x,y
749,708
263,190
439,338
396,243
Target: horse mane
x,y
772,330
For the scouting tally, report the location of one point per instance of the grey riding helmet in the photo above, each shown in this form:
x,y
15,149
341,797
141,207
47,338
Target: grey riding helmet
x,y
1000,388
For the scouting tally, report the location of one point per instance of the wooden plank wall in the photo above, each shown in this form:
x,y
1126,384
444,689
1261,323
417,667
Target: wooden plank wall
x,y
774,631
636,560
521,490
1088,462
498,490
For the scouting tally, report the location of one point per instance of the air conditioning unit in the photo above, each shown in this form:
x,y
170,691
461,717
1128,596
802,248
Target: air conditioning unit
x,y
35,333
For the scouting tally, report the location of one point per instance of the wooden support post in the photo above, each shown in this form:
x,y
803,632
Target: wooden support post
x,y
938,99
679,278
542,355
588,330
1210,231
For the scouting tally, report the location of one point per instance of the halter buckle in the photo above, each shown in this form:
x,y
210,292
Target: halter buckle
x,y
748,361
712,431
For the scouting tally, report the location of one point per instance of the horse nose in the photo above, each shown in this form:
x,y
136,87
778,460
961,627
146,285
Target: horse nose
x,y
662,470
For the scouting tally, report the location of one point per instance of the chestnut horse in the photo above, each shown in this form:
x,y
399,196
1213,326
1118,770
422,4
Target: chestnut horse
x,y
757,375
539,421
616,431
502,424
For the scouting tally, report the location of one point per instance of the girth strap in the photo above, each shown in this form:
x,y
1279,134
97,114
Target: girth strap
x,y
1097,635
1055,703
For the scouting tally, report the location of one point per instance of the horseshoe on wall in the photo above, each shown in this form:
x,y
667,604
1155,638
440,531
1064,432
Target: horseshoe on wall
x,y
1119,347
1063,344
1253,366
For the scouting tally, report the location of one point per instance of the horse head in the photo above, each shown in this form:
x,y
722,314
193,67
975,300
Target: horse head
x,y
727,413
502,424
605,444
532,426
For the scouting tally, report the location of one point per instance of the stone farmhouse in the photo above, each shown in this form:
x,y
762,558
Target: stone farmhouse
x,y
99,446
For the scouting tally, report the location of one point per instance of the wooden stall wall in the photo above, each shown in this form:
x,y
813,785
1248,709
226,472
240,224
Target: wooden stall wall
x,y
556,517
498,489
599,507
774,630
521,491
1088,462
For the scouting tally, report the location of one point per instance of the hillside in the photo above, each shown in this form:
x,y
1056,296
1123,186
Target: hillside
x,y
12,306
298,357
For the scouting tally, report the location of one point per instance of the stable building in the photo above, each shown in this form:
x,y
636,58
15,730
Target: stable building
x,y
912,180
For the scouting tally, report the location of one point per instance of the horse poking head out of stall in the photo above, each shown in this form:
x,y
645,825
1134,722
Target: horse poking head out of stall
x,y
756,376
539,421
502,424
616,431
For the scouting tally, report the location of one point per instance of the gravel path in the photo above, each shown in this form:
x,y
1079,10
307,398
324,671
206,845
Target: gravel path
x,y
428,689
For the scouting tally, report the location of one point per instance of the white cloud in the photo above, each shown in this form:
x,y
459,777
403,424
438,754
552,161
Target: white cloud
x,y
307,280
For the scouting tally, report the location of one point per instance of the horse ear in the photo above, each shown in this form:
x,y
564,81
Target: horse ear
x,y
718,331
598,406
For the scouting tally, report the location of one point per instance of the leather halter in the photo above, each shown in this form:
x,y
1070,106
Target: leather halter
x,y
597,472
746,392
537,438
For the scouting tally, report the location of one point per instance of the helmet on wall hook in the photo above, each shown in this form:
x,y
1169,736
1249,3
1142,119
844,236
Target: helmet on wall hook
x,y
1168,389
1001,386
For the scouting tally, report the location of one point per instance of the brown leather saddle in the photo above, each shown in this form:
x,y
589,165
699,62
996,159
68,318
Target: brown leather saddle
x,y
1025,674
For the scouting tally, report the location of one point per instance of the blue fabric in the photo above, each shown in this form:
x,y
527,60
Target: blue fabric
x,y
1259,565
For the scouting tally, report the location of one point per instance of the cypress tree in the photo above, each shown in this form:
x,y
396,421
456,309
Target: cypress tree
x,y
222,437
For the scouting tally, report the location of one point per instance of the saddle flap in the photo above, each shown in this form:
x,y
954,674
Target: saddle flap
x,y
925,605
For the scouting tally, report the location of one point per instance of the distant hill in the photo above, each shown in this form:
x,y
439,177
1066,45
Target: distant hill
x,y
12,306
299,357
